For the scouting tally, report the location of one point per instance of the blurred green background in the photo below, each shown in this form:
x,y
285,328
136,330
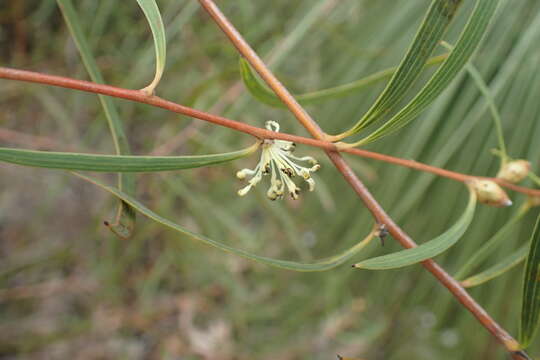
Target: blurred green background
x,y
70,289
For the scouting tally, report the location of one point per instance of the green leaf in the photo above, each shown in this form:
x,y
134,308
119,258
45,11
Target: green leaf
x,y
465,47
535,178
497,270
427,250
320,265
255,86
116,163
151,11
261,92
490,100
530,306
433,28
125,219
486,92
490,245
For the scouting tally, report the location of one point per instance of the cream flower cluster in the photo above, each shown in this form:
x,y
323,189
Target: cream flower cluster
x,y
278,160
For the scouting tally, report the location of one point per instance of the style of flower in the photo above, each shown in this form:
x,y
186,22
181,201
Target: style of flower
x,y
277,159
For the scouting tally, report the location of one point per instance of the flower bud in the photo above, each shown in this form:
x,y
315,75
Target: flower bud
x,y
514,171
489,193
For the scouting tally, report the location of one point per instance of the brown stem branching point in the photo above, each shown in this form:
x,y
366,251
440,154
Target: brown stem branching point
x,y
378,212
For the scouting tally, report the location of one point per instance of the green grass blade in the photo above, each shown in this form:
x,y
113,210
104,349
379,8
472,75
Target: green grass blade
x,y
322,265
433,28
530,307
261,92
151,11
125,219
427,250
492,243
116,163
497,270
468,42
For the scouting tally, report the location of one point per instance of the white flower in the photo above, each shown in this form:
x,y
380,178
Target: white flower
x,y
277,159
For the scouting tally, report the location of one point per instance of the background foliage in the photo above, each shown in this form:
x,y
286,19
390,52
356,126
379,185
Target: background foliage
x,y
68,287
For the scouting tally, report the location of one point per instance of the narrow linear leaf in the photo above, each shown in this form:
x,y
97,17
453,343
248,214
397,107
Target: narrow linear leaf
x,y
499,269
322,265
427,250
261,92
151,11
433,28
125,218
465,47
490,245
116,163
256,87
535,178
530,306
490,100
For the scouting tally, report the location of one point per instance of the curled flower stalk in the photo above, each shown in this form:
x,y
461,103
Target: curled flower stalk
x,y
277,159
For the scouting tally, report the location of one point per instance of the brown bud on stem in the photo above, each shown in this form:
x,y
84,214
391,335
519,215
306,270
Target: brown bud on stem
x,y
489,193
514,171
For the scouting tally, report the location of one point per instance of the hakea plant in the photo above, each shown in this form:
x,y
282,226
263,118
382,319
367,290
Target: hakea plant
x,y
277,149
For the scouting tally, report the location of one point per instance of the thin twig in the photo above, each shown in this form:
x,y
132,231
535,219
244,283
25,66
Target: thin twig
x,y
378,212
138,96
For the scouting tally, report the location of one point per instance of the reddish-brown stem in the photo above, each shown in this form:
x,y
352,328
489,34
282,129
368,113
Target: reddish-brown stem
x,y
378,212
235,37
138,96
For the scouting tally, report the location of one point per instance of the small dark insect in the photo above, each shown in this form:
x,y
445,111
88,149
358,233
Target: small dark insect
x,y
382,233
